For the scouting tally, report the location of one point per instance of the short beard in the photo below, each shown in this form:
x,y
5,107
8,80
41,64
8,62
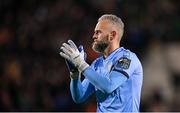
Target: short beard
x,y
100,46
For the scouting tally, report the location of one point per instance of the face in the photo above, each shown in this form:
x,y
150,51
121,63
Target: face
x,y
101,37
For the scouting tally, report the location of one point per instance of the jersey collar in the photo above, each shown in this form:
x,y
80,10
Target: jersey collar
x,y
112,53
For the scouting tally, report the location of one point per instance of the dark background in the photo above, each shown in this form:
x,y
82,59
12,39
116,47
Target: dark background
x,y
33,77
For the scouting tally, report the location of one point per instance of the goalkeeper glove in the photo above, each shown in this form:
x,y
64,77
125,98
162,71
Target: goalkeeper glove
x,y
70,65
73,55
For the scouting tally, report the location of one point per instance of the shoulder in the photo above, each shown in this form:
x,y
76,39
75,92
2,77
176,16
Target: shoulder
x,y
129,54
128,63
129,58
96,61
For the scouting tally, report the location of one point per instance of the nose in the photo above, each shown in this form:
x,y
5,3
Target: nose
x,y
94,36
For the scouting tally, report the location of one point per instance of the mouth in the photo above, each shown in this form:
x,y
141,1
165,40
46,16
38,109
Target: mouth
x,y
95,40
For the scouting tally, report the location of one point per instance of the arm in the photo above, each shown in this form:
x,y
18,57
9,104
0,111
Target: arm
x,y
105,84
120,73
80,91
71,53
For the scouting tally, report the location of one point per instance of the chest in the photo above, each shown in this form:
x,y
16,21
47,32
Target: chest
x,y
104,67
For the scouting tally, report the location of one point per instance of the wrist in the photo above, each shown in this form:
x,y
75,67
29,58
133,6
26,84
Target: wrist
x,y
74,74
83,65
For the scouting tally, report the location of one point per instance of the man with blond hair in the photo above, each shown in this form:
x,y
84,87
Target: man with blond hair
x,y
116,76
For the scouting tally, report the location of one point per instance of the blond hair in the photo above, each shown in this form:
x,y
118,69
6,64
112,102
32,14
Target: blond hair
x,y
113,19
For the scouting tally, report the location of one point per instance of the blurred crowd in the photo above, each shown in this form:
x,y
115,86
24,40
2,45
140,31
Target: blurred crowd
x,y
33,77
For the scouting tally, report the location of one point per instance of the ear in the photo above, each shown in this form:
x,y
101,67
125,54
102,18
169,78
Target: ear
x,y
112,35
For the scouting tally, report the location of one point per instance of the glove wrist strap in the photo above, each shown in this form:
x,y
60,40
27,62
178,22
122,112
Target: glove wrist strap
x,y
83,66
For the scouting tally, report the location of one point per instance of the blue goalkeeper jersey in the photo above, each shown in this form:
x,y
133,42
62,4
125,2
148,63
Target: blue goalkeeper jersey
x,y
116,81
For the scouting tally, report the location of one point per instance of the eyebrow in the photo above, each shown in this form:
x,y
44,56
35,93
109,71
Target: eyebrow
x,y
97,31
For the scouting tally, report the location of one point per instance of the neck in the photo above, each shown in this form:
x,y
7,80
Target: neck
x,y
110,49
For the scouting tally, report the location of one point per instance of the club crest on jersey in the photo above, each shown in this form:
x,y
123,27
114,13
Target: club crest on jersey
x,y
124,63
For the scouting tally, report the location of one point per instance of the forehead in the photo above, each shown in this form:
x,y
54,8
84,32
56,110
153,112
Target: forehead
x,y
103,24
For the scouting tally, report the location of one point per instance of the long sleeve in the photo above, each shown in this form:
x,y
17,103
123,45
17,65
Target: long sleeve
x,y
106,84
80,91
121,71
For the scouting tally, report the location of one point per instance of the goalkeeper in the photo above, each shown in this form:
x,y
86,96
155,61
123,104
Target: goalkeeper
x,y
116,76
